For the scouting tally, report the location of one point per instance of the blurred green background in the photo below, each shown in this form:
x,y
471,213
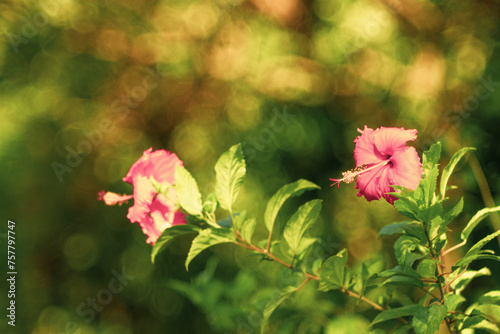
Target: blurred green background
x,y
87,86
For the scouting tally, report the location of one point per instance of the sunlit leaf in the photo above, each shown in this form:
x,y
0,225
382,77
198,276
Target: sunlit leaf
x,y
476,219
403,247
169,234
187,191
230,173
300,222
284,193
448,170
207,238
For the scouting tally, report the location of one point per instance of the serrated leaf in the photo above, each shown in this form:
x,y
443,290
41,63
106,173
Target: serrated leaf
x,y
431,157
476,219
426,214
403,248
207,238
448,170
427,320
239,219
300,222
427,268
168,235
187,191
279,198
230,172
331,273
274,303
460,283
395,313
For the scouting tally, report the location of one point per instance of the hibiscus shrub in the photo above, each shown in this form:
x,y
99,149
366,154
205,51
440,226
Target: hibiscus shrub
x,y
167,204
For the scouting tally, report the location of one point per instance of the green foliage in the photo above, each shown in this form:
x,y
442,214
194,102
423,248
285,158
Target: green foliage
x,y
230,173
395,313
274,303
427,320
278,199
187,192
332,274
207,238
418,249
168,235
300,222
448,170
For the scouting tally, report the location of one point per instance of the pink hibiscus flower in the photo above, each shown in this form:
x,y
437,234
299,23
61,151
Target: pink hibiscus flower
x,y
153,211
383,159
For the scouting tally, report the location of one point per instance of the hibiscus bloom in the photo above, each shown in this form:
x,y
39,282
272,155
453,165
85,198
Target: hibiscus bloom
x,y
383,159
154,211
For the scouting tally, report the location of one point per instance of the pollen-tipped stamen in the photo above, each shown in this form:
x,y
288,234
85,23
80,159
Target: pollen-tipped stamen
x,y
350,175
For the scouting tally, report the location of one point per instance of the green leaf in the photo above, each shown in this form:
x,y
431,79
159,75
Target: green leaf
x,y
247,229
279,198
476,219
431,157
427,268
439,225
478,322
489,311
300,222
403,329
407,207
304,245
274,303
448,170
347,323
403,248
427,320
169,234
481,243
331,274
460,283
187,191
426,214
207,238
395,313
412,228
452,301
230,172
428,185
491,297
210,204
464,262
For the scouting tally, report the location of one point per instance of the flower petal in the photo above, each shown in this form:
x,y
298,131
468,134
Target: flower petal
x,y
144,192
388,140
406,169
365,152
374,183
159,164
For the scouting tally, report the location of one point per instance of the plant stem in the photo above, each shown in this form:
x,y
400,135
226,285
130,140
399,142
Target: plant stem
x,y
309,276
